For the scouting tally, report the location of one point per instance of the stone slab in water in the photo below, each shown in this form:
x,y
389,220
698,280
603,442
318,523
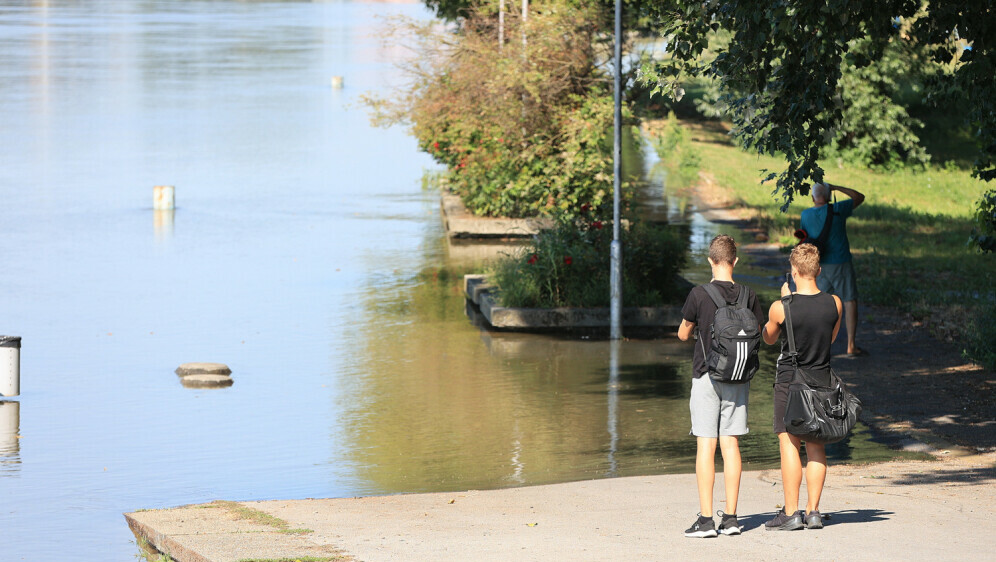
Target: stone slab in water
x,y
461,223
206,381
188,369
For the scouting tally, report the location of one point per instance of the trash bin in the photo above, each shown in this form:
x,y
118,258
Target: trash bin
x,y
10,365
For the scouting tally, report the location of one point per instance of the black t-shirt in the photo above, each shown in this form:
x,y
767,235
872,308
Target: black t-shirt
x,y
813,319
700,309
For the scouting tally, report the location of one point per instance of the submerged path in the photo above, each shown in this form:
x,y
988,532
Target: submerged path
x,y
904,510
911,510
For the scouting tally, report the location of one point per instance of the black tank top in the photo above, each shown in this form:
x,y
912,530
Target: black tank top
x,y
813,319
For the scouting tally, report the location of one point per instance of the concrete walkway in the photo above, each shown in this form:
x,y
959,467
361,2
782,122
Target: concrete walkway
x,y
890,511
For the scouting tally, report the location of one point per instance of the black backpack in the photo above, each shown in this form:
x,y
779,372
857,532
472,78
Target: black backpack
x,y
735,337
821,241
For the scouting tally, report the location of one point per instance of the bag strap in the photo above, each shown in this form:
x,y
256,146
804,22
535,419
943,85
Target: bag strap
x,y
825,233
743,296
720,302
789,334
713,293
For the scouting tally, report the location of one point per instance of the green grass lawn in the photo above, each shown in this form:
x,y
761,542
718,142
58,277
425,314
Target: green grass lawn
x,y
908,238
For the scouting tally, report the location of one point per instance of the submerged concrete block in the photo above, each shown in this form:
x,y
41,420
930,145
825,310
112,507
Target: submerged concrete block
x,y
477,290
461,223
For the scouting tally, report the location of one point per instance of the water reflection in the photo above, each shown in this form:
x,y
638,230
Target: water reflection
x,y
10,435
443,405
613,399
470,252
162,223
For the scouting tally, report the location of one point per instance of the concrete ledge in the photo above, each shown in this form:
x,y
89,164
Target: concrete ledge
x,y
205,533
616,519
546,319
461,223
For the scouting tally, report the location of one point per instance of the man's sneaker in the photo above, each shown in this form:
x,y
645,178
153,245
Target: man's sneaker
x,y
814,520
729,524
783,522
703,527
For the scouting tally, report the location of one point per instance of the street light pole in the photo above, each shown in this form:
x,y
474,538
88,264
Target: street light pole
x,y
615,272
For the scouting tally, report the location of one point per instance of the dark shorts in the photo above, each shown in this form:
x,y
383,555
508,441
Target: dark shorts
x,y
838,279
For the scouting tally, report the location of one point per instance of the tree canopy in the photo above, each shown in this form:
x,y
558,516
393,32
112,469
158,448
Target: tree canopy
x,y
781,72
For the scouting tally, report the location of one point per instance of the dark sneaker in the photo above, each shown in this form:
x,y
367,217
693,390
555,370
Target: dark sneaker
x,y
703,527
783,522
729,525
814,520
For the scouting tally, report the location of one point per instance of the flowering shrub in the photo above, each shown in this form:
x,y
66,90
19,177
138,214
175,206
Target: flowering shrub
x,y
569,265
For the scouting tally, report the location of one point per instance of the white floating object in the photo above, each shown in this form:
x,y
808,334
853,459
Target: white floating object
x,y
10,365
163,197
337,82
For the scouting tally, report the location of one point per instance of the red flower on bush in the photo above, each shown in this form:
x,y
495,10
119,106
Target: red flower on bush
x,y
435,145
568,260
532,259
597,225
585,208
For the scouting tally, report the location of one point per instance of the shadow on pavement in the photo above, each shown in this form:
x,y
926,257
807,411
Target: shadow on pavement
x,y
857,516
974,476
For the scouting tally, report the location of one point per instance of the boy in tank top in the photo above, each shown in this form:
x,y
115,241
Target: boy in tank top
x,y
815,323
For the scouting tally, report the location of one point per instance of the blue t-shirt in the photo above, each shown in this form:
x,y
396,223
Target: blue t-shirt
x,y
838,249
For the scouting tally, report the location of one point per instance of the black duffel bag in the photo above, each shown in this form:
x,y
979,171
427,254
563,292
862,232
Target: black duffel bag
x,y
820,414
816,413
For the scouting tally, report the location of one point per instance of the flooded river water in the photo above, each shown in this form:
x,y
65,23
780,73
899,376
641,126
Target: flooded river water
x,y
303,253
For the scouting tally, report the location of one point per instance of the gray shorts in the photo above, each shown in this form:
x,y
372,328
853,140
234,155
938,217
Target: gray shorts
x,y
718,408
838,279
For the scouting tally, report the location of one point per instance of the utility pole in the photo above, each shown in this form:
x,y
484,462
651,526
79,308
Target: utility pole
x,y
525,16
615,272
525,59
501,24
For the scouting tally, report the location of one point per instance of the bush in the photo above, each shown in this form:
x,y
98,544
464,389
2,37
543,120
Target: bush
x,y
569,265
524,130
984,233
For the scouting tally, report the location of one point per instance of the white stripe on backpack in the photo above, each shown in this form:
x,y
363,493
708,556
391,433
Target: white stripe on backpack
x,y
738,367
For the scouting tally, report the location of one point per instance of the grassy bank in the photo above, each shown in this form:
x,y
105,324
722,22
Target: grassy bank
x,y
908,239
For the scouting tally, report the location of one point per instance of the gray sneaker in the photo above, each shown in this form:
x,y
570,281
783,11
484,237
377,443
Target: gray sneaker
x,y
814,520
702,528
728,524
783,522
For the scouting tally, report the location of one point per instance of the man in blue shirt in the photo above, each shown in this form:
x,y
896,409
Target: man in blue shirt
x,y
837,273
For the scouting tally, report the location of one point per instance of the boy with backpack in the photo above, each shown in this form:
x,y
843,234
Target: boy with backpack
x,y
727,320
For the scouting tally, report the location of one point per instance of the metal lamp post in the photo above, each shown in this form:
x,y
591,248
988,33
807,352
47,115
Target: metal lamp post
x,y
615,272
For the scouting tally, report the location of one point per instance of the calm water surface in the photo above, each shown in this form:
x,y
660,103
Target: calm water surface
x,y
303,253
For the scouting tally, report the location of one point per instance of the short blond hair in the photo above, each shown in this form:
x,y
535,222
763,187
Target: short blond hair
x,y
805,258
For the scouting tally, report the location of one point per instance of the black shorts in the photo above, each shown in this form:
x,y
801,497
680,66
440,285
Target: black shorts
x,y
783,379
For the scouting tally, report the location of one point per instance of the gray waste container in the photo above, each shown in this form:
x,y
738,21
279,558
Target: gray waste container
x,y
10,365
